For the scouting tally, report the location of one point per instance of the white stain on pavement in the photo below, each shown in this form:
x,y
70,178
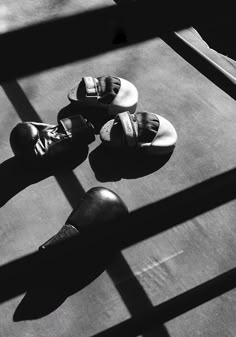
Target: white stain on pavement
x,y
156,264
149,267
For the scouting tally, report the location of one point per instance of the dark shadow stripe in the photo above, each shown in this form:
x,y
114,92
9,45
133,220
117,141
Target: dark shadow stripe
x,y
132,293
70,186
67,180
173,210
174,307
17,276
170,212
49,44
21,103
201,63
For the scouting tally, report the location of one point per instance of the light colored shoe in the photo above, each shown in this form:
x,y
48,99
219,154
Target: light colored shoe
x,y
148,131
114,93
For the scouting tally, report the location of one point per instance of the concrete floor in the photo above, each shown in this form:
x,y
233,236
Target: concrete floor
x,y
152,272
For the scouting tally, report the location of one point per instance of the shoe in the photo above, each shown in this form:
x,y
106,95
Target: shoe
x,y
115,93
31,140
100,99
97,207
144,131
85,245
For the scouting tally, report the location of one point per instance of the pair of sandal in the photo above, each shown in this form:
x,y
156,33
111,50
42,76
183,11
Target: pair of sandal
x,y
105,105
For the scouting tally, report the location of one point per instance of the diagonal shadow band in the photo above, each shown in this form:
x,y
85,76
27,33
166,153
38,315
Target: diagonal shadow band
x,y
21,103
201,63
32,57
171,211
133,294
174,307
142,320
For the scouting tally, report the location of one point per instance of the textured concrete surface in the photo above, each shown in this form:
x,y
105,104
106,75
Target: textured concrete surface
x,y
156,270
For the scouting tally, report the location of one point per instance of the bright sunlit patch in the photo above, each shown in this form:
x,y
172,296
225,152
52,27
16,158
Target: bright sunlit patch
x,y
4,18
107,194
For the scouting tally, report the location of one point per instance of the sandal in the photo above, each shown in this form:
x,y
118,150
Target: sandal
x,y
143,130
114,93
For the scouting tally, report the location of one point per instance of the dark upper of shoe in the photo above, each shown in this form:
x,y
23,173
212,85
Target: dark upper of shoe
x,y
39,140
105,88
148,125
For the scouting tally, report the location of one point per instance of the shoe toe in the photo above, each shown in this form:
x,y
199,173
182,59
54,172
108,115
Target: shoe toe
x,y
23,138
126,98
166,137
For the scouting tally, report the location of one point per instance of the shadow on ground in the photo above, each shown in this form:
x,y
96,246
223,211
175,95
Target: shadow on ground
x,y
17,174
60,276
113,165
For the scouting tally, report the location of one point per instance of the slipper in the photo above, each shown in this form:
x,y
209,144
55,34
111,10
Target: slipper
x,y
142,130
113,93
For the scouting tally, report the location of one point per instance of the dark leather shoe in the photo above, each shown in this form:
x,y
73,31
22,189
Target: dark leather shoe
x,y
97,207
31,140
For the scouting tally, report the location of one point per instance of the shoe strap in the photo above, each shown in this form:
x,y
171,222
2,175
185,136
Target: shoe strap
x,y
130,128
92,92
77,126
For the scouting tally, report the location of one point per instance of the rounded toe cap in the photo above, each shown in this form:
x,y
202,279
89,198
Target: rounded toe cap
x,y
126,98
23,136
166,138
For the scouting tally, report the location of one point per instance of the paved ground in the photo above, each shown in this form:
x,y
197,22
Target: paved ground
x,y
154,272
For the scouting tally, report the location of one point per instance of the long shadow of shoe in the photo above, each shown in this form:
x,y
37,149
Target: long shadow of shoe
x,y
37,303
98,115
42,300
17,174
69,271
113,165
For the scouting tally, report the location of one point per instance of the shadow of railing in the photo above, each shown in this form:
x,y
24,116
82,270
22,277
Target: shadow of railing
x,y
176,209
174,307
59,33
32,269
171,211
20,102
35,270
133,295
201,63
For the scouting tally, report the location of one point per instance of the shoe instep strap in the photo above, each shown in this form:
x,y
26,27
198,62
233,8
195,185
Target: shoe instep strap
x,y
91,88
130,128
